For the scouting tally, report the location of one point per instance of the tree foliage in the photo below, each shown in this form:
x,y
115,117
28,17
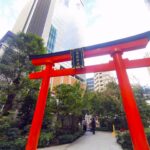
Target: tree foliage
x,y
63,110
18,94
104,103
69,98
15,66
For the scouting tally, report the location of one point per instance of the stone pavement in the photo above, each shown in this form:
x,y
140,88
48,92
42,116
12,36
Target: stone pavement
x,y
99,141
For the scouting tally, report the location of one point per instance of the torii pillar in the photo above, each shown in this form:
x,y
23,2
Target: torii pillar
x,y
139,140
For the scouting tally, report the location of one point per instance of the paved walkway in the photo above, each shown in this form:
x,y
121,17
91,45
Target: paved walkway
x,y
99,141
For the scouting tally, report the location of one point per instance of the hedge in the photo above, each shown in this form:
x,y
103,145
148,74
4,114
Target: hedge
x,y
45,139
68,138
123,138
17,144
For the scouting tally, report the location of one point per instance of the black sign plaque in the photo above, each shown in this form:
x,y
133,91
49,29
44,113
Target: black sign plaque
x,y
77,58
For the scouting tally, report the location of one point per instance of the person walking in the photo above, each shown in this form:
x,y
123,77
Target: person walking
x,y
93,125
84,125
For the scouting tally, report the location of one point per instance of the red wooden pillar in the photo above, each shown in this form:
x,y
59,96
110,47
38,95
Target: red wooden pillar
x,y
135,125
35,129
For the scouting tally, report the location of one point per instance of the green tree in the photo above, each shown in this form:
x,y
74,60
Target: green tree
x,y
105,102
66,106
15,66
18,93
89,100
144,108
138,93
69,98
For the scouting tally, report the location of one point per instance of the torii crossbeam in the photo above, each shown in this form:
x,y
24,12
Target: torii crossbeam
x,y
115,49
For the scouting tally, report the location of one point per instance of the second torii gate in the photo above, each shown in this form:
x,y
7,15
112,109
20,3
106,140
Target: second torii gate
x,y
115,49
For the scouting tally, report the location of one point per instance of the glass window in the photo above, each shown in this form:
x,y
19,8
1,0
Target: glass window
x,y
52,39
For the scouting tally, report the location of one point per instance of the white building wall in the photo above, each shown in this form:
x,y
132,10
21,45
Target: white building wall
x,y
18,27
23,19
101,79
148,68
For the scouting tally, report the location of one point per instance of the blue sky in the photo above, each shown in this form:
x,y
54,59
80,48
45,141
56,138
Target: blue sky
x,y
105,20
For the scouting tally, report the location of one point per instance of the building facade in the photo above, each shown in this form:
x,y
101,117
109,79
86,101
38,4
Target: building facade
x,y
5,49
52,39
55,26
56,21
36,18
4,42
90,84
101,79
148,68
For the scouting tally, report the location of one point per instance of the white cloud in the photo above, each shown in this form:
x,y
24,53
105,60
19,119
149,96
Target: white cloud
x,y
9,12
118,19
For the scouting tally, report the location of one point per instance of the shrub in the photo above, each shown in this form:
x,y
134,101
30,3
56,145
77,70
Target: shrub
x,y
45,139
64,139
5,124
103,129
13,133
9,135
18,144
68,138
123,138
6,145
78,134
148,134
25,130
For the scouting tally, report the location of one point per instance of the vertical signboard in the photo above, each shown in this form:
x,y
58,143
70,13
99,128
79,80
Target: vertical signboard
x,y
77,58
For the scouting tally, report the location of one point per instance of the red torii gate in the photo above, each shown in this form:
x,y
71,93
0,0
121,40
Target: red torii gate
x,y
115,49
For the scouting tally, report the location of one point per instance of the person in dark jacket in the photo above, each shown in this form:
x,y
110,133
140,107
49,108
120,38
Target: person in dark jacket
x,y
84,125
93,125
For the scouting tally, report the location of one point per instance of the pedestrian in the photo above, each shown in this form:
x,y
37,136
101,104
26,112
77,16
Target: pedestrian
x,y
84,125
116,122
93,125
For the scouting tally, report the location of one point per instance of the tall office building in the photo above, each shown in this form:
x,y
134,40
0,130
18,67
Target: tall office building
x,y
101,79
4,42
53,21
5,49
36,18
56,21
